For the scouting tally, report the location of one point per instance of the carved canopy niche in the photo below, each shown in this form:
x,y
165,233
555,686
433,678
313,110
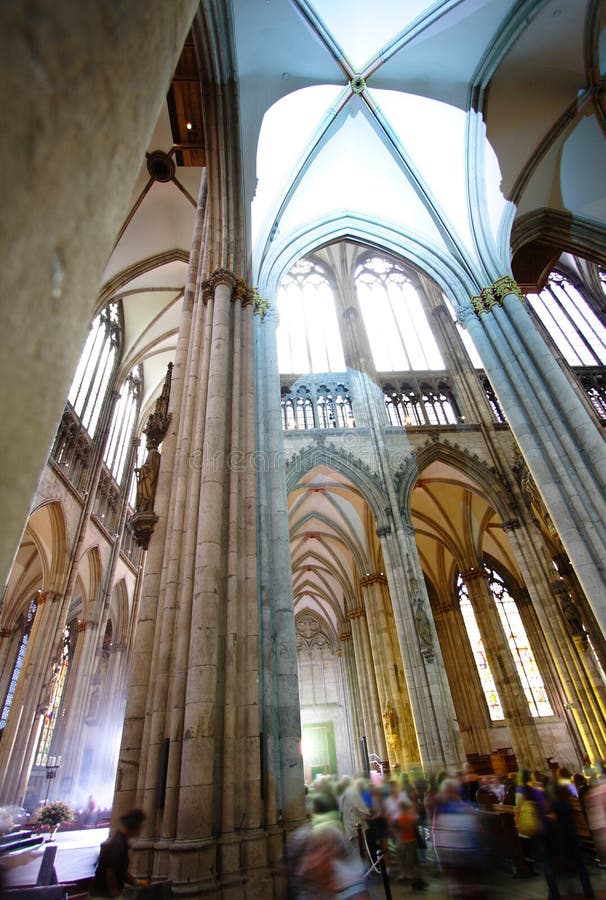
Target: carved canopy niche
x,y
312,633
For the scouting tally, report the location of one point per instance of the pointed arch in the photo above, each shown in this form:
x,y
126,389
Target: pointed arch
x,y
345,464
485,478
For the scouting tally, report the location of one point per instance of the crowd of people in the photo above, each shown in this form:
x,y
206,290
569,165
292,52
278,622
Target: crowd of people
x,y
461,828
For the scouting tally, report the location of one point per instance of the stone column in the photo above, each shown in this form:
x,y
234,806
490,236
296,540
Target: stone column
x,y
524,736
353,706
281,721
433,712
369,697
467,695
105,95
399,731
194,701
558,438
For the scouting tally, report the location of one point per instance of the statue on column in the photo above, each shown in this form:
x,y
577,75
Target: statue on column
x,y
422,623
390,718
144,520
147,479
574,620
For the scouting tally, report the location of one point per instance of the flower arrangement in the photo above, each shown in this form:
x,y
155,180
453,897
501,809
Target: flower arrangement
x,y
54,813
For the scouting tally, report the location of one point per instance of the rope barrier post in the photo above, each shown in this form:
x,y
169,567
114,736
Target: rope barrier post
x,y
361,841
384,875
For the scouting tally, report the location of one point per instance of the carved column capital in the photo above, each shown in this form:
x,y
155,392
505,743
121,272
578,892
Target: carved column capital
x,y
373,578
492,296
474,575
222,276
356,613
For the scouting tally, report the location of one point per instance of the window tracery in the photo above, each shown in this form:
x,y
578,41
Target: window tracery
x,y
519,646
26,628
572,324
53,694
398,330
72,449
308,334
430,401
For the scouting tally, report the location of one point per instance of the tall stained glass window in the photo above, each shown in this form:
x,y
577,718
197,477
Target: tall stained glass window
x,y
27,627
573,326
493,702
519,645
398,330
54,692
123,424
95,368
308,333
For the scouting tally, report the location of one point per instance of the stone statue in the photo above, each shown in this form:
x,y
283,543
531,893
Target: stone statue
x,y
147,479
573,618
390,719
423,626
46,703
422,621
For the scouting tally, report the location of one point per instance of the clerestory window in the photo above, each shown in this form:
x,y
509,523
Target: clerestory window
x,y
96,367
572,324
123,423
308,334
398,330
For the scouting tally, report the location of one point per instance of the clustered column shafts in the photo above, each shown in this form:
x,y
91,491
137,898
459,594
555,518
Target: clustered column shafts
x,y
404,750
283,796
370,701
556,434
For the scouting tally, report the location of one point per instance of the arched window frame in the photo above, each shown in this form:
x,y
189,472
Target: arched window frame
x,y
391,306
98,362
309,340
60,670
519,644
26,628
124,420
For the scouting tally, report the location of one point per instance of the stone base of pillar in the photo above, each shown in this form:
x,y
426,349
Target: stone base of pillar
x,y
192,868
235,867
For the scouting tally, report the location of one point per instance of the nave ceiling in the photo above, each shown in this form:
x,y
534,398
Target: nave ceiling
x,y
533,71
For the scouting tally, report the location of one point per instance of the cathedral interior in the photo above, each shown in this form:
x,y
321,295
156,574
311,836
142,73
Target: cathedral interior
x,y
304,392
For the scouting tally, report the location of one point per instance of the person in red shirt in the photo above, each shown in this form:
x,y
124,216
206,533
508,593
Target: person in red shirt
x,y
406,843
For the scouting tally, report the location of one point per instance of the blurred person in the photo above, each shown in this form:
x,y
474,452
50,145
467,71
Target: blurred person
x,y
458,843
406,845
321,866
470,781
595,809
325,811
392,803
378,827
531,820
112,871
564,777
567,844
90,811
354,812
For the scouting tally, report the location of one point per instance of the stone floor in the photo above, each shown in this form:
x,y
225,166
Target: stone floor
x,y
77,852
504,887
